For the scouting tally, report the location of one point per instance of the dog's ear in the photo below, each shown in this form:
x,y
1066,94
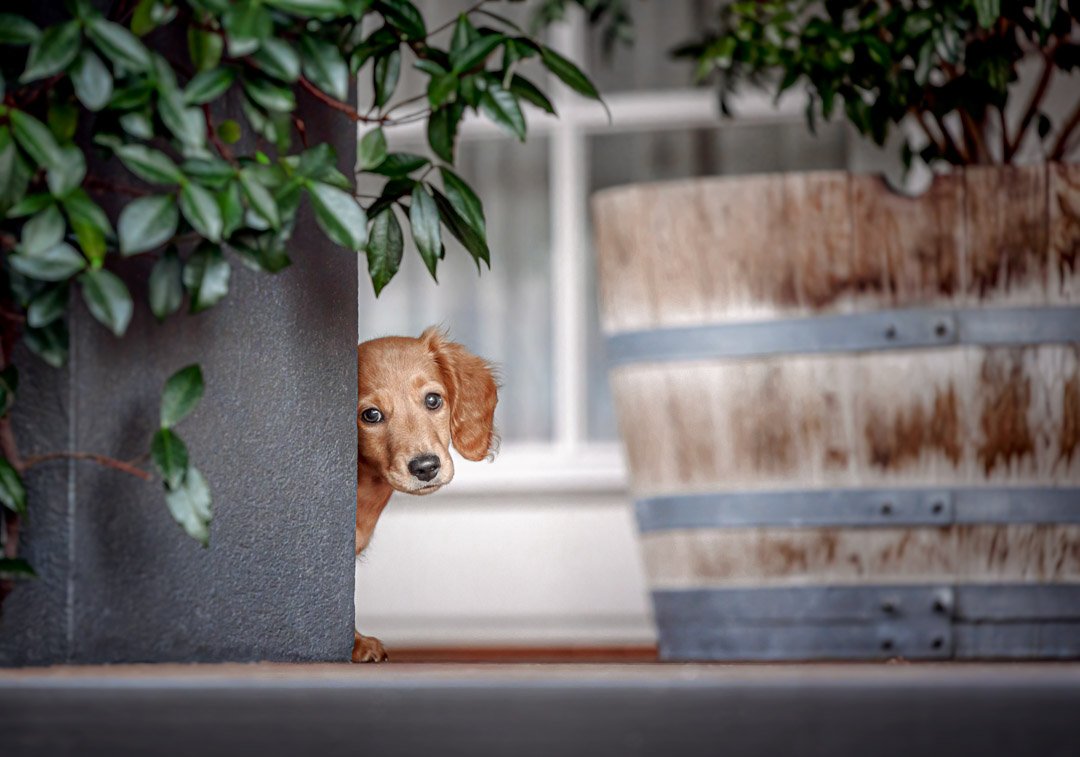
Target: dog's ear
x,y
472,392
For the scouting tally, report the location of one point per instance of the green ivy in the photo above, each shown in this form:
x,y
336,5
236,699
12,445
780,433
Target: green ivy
x,y
204,192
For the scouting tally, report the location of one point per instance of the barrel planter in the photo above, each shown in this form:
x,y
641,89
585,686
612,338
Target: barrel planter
x,y
851,418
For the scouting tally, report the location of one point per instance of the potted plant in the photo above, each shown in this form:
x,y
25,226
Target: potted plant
x,y
851,417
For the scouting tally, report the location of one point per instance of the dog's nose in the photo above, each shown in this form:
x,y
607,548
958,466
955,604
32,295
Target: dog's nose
x,y
424,467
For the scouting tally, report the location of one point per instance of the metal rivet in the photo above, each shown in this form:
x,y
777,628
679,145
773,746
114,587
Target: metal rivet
x,y
888,606
890,332
886,508
939,606
886,644
941,329
937,642
937,507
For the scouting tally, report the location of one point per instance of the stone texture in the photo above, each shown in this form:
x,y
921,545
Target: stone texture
x,y
275,437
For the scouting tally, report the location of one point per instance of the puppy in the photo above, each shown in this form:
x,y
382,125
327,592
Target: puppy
x,y
416,398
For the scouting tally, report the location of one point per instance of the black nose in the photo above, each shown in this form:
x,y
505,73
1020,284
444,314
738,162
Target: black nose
x,y
424,467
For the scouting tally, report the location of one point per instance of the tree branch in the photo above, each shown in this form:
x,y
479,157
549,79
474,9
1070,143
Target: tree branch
x,y
1011,146
1066,132
100,185
215,140
102,460
453,20
337,105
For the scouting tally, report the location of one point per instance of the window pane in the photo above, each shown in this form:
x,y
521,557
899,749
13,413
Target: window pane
x,y
502,314
647,63
655,156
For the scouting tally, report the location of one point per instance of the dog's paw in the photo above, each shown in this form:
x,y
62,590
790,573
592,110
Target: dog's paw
x,y
368,649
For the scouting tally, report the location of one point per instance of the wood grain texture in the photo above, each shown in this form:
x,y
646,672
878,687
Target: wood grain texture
x,y
1006,261
753,557
1064,233
962,416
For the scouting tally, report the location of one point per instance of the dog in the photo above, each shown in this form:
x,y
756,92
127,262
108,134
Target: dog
x,y
416,397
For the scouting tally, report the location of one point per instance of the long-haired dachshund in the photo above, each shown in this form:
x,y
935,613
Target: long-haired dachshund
x,y
416,398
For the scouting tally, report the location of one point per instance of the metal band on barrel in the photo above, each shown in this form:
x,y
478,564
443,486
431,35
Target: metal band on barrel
x,y
861,332
859,508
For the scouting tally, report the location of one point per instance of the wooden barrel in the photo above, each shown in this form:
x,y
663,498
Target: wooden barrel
x,y
851,418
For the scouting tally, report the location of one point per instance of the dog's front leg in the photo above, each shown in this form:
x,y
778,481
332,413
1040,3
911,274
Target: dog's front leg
x,y
368,649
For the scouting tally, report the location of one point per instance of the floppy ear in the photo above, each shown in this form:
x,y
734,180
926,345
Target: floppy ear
x,y
472,393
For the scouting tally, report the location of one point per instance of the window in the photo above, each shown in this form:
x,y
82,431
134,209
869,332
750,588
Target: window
x,y
534,312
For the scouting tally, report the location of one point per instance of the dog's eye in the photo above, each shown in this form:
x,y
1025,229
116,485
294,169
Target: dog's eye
x,y
371,415
433,401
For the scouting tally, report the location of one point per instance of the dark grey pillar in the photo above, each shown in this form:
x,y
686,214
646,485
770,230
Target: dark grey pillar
x,y
274,435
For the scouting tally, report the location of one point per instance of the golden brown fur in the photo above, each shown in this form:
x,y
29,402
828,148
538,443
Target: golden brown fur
x,y
408,448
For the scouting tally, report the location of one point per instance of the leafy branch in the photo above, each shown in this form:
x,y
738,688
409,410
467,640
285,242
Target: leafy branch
x,y
199,191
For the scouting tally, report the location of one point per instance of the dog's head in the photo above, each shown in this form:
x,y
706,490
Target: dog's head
x,y
416,398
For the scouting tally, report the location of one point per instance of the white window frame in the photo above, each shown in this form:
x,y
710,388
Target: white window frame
x,y
571,462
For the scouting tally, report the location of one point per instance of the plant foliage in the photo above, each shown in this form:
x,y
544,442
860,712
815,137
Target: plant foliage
x,y
103,110
950,66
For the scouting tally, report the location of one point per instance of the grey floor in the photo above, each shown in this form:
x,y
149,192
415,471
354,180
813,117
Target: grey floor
x,y
632,709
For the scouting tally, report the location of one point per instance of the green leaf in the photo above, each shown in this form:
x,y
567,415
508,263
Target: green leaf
x,y
424,219
325,67
14,174
210,172
261,252
36,139
170,457
398,164
442,131
371,149
42,232
403,16
92,81
229,131
260,199
13,567
49,343
385,75
269,95
149,164
147,223
47,306
248,25
571,75
68,174
53,52
12,491
119,45
166,285
182,393
384,248
339,215
209,85
206,277
327,9
464,34
473,240
201,210
108,299
442,89
17,30
30,204
464,200
55,264
205,48
232,209
529,92
502,107
138,124
475,53
90,224
190,506
278,58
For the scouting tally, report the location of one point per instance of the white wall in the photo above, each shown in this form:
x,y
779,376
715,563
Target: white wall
x,y
504,569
